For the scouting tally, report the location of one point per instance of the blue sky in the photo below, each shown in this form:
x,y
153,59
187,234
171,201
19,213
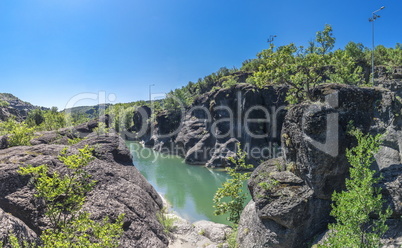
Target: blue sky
x,y
51,51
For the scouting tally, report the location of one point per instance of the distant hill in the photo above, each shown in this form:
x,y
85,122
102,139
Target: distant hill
x,y
88,111
11,105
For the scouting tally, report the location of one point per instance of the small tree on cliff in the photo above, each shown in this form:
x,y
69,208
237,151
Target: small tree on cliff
x,y
232,188
355,208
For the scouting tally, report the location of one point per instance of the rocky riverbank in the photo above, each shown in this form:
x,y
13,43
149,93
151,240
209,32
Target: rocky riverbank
x,y
200,234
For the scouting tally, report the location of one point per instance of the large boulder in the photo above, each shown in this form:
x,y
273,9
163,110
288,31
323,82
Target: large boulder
x,y
283,211
120,188
4,142
10,224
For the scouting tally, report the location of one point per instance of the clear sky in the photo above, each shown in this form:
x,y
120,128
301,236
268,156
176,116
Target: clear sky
x,y
52,50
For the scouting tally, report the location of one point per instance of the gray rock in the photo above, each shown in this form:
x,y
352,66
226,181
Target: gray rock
x,y
200,234
214,231
200,135
11,224
283,204
120,188
295,209
4,142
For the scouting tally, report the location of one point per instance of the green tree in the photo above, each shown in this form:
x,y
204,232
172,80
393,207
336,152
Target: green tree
x,y
53,120
303,69
346,70
288,65
230,198
19,134
357,52
35,117
353,208
325,39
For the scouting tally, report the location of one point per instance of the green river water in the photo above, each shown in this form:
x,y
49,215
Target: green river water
x,y
188,188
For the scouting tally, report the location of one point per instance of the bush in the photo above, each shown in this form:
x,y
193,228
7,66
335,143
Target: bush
x,y
232,189
354,208
166,221
19,134
101,129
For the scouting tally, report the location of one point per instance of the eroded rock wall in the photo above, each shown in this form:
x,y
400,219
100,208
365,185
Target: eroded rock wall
x,y
209,131
291,195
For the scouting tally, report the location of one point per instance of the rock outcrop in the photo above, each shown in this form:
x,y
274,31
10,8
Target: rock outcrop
x,y
198,234
208,132
11,106
120,187
291,195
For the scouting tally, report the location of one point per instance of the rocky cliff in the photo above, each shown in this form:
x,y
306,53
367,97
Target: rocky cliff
x,y
291,195
207,133
13,106
120,187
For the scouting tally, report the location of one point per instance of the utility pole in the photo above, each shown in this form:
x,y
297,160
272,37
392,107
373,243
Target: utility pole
x,y
150,95
372,20
271,39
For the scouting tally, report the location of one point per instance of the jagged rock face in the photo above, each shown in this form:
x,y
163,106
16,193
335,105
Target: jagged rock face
x,y
314,140
141,124
283,210
10,223
120,187
217,121
16,107
372,110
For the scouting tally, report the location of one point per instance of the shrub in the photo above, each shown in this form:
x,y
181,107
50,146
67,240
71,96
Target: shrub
x,y
354,207
19,133
101,129
232,189
166,221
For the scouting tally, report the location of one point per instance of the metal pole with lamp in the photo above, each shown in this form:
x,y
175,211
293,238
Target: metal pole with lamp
x,y
150,96
372,20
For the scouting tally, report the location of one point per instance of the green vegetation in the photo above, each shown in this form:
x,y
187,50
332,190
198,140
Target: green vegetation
x,y
122,116
353,208
75,140
268,185
166,221
46,120
19,134
230,198
233,189
231,239
301,68
64,196
4,103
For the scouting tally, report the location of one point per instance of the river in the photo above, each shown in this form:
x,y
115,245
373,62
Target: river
x,y
188,188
